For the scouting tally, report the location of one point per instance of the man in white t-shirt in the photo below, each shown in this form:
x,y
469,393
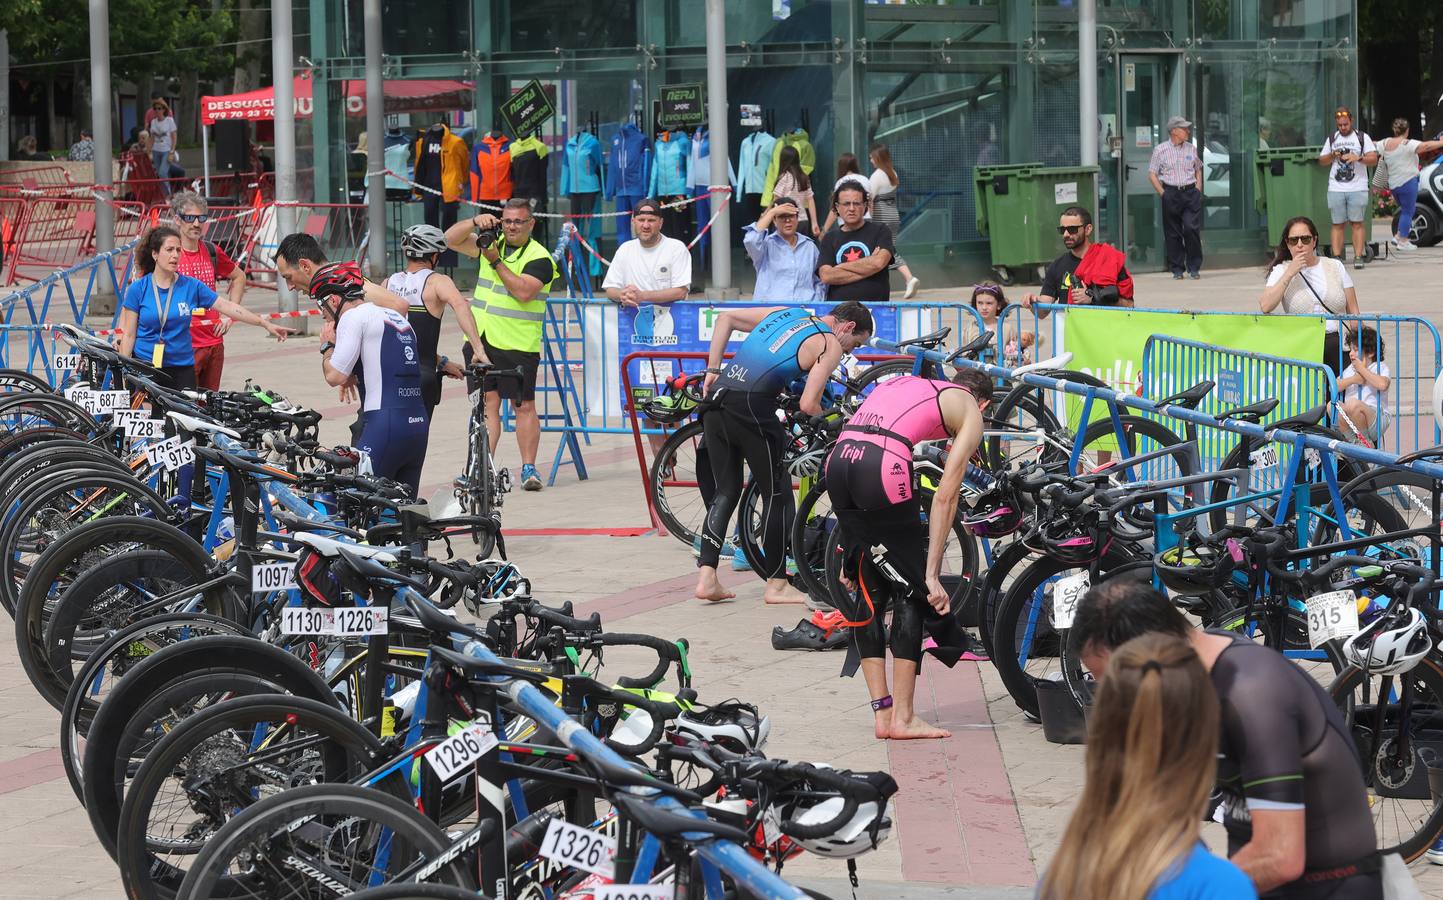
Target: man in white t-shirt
x,y
1348,154
650,269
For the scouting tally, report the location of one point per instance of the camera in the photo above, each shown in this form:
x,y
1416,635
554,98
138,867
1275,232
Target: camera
x,y
1104,294
487,237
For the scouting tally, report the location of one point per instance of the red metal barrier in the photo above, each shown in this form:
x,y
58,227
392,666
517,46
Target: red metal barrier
x,y
36,178
56,233
338,226
232,228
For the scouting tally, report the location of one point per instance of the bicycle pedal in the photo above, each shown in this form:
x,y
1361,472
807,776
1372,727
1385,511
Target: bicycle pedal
x,y
503,480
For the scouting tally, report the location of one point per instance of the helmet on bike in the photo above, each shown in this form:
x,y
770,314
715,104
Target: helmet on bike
x,y
420,241
1193,571
807,460
997,513
337,279
682,395
737,727
1069,542
1392,644
865,830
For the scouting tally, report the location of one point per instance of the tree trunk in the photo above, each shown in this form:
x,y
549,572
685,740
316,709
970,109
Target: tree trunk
x,y
190,101
54,137
144,87
252,24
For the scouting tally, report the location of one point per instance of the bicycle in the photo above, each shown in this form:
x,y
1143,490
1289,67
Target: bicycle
x,y
481,488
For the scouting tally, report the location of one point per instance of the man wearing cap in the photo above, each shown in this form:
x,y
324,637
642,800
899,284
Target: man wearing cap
x,y
1176,174
786,261
1347,155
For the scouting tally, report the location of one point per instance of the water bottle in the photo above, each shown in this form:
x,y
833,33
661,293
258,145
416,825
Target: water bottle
x,y
1368,609
979,478
225,530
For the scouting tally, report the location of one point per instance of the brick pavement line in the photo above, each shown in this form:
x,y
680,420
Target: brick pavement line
x,y
658,595
955,809
40,767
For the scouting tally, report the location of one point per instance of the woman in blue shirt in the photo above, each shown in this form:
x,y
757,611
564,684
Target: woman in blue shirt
x,y
155,316
1151,762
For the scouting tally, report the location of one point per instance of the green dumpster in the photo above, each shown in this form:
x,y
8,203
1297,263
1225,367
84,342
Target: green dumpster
x,y
1291,183
1018,207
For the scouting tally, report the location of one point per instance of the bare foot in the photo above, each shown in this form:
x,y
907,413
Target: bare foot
x,y
915,729
783,594
708,587
884,723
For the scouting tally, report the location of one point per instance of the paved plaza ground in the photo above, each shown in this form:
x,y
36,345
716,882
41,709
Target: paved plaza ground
x,y
978,816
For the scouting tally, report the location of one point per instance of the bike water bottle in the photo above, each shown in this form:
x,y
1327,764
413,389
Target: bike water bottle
x,y
979,478
1368,609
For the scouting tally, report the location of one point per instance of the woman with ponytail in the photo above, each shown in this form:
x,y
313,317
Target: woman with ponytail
x,y
1151,762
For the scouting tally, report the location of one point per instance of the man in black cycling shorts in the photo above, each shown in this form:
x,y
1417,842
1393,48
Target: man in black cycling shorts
x,y
784,344
1293,798
893,560
383,343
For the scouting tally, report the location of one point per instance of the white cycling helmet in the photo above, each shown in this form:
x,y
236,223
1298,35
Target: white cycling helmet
x,y
1391,645
865,830
420,241
737,727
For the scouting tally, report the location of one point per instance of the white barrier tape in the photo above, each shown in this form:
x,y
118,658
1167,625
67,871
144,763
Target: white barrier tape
x,y
496,207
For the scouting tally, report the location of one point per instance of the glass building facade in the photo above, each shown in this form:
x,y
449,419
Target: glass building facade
x,y
946,85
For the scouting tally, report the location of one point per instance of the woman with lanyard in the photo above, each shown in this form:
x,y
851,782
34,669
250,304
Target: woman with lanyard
x,y
156,314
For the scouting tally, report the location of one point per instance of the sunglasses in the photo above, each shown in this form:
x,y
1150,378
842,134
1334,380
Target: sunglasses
x,y
1300,240
514,223
202,218
1070,229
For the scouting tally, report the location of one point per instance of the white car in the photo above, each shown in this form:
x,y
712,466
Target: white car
x,y
1217,176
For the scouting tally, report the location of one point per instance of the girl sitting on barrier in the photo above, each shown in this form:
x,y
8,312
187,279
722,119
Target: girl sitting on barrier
x,y
989,301
1363,388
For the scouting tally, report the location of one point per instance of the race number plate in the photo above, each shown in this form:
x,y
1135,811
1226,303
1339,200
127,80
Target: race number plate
x,y
461,750
578,848
634,892
298,620
273,576
1066,594
1332,615
1264,457
359,621
172,453
67,362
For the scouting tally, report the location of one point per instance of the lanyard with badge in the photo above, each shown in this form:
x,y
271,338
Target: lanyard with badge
x,y
157,353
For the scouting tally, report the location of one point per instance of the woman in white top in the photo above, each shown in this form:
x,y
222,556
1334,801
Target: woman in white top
x,y
884,207
162,141
792,182
1400,157
847,170
1300,282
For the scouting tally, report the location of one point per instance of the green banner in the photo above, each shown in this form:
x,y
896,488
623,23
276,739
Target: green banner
x,y
1109,344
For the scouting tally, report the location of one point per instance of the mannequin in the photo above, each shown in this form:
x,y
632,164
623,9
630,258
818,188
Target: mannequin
x,y
440,166
582,176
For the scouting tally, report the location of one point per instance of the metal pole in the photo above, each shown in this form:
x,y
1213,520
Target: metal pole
x,y
375,139
100,131
1087,82
4,94
205,155
716,98
282,75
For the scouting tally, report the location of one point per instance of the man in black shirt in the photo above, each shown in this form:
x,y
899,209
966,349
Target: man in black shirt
x,y
1063,284
1293,799
852,261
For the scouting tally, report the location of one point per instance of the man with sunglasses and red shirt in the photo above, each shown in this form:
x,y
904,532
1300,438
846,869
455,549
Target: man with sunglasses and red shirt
x,y
205,261
1088,272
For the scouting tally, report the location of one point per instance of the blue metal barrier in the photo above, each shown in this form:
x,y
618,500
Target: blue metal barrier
x,y
1414,352
27,311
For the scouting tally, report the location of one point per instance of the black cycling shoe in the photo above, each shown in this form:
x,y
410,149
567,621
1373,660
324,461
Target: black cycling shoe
x,y
807,636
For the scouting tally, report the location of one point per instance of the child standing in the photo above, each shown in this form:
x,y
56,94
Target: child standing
x,y
1363,386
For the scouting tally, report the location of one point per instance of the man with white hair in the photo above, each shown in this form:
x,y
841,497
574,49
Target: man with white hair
x,y
206,262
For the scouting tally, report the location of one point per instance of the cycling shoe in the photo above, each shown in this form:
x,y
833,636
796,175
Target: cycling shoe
x,y
808,636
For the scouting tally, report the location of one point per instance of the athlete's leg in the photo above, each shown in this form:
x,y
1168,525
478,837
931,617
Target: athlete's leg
x,y
528,431
493,420
907,560
762,446
411,441
726,467
870,643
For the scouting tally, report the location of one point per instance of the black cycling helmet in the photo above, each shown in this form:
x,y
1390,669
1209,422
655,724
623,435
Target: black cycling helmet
x,y
682,395
997,513
337,279
1196,570
1069,541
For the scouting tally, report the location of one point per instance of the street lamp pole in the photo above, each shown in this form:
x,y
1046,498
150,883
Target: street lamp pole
x,y
375,139
282,76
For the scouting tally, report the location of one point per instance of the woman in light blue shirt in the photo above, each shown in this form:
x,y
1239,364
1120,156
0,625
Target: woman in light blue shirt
x,y
786,261
1151,762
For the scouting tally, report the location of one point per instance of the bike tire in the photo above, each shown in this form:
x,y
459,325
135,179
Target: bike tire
x,y
414,835
417,892
1025,406
678,503
148,853
809,539
108,664
20,381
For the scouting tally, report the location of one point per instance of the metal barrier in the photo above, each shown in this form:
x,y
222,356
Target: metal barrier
x,y
340,228
1414,353
58,232
36,178
27,312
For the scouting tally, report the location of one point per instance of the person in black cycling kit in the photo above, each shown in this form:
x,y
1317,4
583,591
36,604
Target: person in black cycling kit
x,y
1293,798
393,414
739,422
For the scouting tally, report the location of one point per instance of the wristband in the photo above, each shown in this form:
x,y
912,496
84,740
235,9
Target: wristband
x,y
714,370
327,347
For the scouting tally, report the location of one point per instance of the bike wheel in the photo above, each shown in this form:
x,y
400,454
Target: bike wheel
x,y
1265,479
110,663
352,836
676,484
811,537
1406,819
1028,408
219,762
478,494
416,892
1101,449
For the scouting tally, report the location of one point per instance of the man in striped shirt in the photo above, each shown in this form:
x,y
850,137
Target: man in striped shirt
x,y
1176,174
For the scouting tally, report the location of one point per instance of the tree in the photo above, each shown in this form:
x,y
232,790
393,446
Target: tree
x,y
1401,62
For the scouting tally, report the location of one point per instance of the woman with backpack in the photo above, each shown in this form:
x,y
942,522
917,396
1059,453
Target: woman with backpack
x,y
207,263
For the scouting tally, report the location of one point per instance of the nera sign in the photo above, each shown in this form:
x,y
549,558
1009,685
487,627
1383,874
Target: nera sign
x,y
527,109
682,106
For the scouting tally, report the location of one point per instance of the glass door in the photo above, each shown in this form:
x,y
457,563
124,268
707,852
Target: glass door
x,y
1149,93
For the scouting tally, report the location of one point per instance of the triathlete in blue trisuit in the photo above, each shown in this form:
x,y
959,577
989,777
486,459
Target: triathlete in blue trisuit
x,y
740,422
393,414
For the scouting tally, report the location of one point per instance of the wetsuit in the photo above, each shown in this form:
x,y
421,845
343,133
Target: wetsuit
x,y
741,425
411,287
881,523
1284,746
394,428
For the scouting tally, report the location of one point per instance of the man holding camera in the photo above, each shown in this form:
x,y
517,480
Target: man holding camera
x,y
1348,152
1088,273
510,308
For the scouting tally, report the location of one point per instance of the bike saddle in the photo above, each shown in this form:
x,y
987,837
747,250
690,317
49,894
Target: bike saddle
x,y
193,425
1190,398
1251,413
1303,420
368,568
664,823
976,345
930,341
332,548
483,667
1432,453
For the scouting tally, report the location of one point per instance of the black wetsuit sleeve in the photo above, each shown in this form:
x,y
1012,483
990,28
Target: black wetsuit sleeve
x,y
1261,729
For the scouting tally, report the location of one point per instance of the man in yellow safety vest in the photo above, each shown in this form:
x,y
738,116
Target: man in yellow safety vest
x,y
510,308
